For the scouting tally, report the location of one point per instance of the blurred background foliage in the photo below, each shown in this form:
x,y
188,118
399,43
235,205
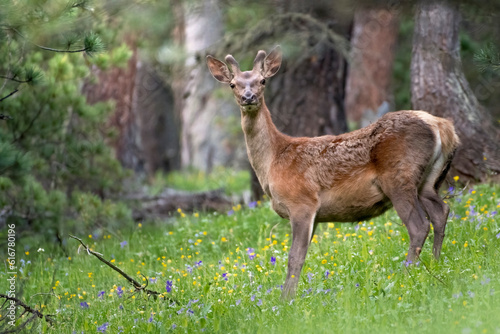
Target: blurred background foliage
x,y
101,99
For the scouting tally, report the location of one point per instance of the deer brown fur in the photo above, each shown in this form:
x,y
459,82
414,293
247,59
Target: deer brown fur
x,y
400,160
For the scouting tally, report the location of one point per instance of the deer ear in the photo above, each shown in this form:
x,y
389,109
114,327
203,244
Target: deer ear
x,y
219,70
272,62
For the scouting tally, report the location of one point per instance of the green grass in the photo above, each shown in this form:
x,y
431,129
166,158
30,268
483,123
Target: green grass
x,y
368,289
232,181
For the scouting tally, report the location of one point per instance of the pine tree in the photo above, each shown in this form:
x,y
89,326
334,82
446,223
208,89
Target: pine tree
x,y
56,170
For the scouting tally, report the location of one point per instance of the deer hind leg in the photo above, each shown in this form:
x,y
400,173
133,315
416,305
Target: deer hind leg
x,y
411,212
302,228
436,209
437,212
409,208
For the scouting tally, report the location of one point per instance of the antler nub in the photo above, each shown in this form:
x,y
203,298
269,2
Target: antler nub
x,y
235,67
257,63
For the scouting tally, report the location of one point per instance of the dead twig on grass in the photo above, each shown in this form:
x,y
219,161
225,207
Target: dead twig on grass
x,y
137,285
27,309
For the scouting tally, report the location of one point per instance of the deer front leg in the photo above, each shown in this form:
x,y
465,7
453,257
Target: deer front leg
x,y
302,228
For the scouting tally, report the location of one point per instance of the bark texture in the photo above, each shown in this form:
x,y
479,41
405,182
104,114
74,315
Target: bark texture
x,y
118,84
148,130
440,87
208,122
368,93
157,121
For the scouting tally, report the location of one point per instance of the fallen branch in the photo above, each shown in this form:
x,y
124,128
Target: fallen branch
x,y
27,309
137,285
169,201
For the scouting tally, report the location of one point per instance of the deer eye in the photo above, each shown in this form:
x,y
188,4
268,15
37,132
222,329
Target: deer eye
x,y
263,81
232,85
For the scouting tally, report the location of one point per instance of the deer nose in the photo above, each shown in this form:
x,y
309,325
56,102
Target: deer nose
x,y
248,97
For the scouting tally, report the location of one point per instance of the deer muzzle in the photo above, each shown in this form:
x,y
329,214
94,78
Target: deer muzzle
x,y
248,98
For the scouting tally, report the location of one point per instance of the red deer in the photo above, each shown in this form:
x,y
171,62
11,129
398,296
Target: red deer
x,y
400,160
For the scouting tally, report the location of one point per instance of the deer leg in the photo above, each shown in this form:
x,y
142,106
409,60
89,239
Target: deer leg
x,y
302,229
438,212
413,216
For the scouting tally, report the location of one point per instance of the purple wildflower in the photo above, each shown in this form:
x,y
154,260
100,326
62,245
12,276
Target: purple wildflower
x,y
485,281
251,253
259,287
274,308
407,263
269,290
123,244
498,236
238,302
192,301
259,303
189,269
327,273
119,291
230,212
309,277
197,264
153,280
103,327
252,205
224,276
84,305
174,326
273,260
252,298
357,285
101,294
120,307
168,287
150,318
451,189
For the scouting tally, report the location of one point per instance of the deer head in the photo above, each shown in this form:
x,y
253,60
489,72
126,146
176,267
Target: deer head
x,y
248,86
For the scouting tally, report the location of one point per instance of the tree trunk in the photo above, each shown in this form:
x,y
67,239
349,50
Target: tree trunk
x,y
207,120
307,97
147,127
368,93
439,87
118,84
158,123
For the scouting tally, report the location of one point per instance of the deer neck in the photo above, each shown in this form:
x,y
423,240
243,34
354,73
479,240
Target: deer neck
x,y
263,141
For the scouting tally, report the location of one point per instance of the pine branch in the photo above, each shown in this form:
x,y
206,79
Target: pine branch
x,y
14,79
92,43
31,76
10,94
488,58
137,285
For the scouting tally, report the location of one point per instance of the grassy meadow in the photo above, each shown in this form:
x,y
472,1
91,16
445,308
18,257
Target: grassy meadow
x,y
223,273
